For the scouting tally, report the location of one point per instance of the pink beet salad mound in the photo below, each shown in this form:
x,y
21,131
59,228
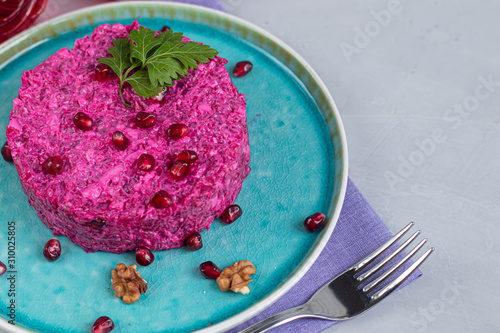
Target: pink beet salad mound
x,y
102,197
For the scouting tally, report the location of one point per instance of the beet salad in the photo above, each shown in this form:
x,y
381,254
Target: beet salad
x,y
112,177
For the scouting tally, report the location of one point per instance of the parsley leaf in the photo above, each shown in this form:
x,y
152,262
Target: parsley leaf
x,y
189,54
171,36
144,41
120,57
150,63
163,71
142,85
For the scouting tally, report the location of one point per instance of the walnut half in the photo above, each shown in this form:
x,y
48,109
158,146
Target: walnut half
x,y
127,283
236,277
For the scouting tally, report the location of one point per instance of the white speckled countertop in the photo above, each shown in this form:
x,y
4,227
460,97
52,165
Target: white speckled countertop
x,y
418,87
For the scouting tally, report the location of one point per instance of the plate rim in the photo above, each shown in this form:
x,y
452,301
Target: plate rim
x,y
310,257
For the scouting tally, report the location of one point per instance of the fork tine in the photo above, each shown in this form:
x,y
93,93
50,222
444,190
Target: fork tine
x,y
400,279
391,271
384,262
372,256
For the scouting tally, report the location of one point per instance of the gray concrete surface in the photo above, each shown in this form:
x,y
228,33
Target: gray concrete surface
x,y
418,87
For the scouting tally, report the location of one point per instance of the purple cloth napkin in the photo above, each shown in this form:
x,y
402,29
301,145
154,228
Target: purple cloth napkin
x,y
215,4
358,232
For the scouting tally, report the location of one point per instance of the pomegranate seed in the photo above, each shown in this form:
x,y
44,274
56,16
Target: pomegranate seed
x,y
120,140
165,28
53,165
102,72
179,169
3,268
314,221
52,249
144,256
146,162
242,68
177,131
187,156
161,199
83,122
209,270
96,224
103,325
7,156
145,120
231,214
193,241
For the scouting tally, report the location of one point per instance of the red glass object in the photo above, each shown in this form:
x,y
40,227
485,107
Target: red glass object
x,y
18,15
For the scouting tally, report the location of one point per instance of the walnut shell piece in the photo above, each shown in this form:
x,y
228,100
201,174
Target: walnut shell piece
x,y
127,283
236,277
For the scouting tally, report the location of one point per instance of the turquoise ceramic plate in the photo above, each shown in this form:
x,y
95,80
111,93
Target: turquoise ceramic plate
x,y
299,166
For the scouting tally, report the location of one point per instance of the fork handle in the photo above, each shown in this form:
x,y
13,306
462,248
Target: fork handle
x,y
277,320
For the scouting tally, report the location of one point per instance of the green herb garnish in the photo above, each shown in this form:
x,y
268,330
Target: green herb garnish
x,y
149,64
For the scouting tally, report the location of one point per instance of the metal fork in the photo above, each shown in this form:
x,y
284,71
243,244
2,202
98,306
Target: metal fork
x,y
352,292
